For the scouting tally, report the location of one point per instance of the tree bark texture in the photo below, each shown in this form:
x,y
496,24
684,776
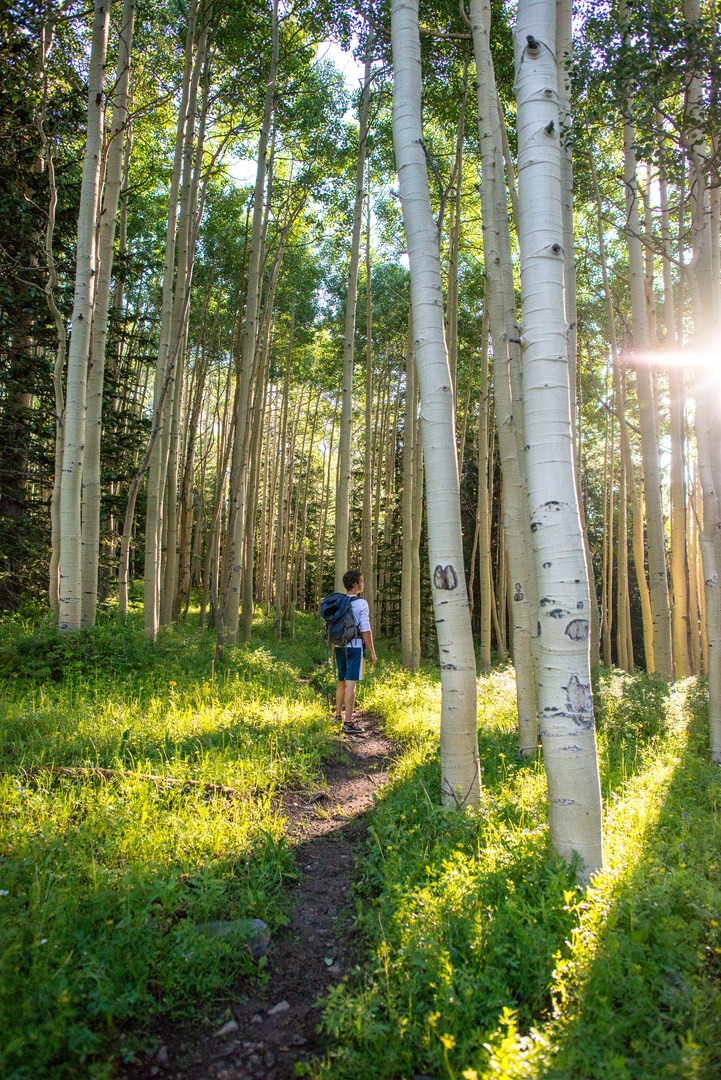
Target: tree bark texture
x,y
460,765
564,675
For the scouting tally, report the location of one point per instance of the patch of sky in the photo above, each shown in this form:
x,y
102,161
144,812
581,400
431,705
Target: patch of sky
x,y
243,170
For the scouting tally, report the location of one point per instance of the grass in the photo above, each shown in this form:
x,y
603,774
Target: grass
x,y
103,883
482,957
485,958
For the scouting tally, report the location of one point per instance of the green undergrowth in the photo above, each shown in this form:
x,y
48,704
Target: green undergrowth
x,y
105,879
485,959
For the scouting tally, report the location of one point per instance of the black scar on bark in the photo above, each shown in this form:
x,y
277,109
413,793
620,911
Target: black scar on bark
x,y
554,506
579,702
578,629
547,565
557,613
445,578
545,600
536,525
579,605
538,624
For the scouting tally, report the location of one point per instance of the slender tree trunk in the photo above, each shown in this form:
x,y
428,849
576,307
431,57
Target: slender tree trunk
x,y
483,514
509,408
417,517
368,567
70,511
564,53
47,35
345,444
619,393
564,683
677,416
164,372
409,441
658,583
282,503
460,765
454,239
96,371
230,604
707,392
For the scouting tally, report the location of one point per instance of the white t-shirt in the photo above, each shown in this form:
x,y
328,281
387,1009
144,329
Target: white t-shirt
x,y
362,618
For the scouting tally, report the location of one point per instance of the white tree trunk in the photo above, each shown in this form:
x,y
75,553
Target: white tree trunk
x,y
345,447
708,394
96,371
658,581
564,676
460,766
70,513
409,441
229,608
501,302
163,390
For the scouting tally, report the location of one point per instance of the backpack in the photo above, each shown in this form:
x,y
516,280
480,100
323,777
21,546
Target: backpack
x,y
340,625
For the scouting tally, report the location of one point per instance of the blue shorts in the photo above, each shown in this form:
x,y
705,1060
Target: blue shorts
x,y
348,663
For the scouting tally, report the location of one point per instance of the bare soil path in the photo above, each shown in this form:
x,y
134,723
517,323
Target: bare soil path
x,y
268,1030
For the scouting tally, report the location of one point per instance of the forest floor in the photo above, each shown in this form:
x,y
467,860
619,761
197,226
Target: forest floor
x,y
263,1031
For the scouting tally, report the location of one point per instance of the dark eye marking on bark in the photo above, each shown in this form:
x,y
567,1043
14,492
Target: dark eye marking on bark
x,y
547,565
579,703
545,601
445,578
557,613
518,594
553,507
539,628
579,605
577,629
448,667
536,525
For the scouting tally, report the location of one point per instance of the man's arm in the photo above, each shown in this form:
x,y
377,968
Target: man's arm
x,y
367,636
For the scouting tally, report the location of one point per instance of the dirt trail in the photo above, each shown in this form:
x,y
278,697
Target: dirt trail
x,y
276,1026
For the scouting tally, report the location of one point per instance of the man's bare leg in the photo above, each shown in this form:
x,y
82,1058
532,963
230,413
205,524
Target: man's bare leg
x,y
340,699
349,700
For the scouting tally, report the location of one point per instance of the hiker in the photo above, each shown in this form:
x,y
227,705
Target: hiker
x,y
349,658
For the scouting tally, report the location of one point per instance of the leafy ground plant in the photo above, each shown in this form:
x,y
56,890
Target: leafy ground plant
x,y
486,960
106,872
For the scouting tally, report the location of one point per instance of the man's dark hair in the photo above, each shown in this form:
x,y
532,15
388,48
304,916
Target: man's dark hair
x,y
351,578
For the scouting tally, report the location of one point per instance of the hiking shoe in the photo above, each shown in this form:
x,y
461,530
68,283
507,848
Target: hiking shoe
x,y
349,728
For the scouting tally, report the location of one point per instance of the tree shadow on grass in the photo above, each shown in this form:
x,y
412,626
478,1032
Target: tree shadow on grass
x,y
638,995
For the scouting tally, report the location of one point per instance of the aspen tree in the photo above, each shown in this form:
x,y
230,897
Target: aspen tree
x,y
564,55
96,370
677,426
229,609
564,675
454,240
281,463
409,440
483,512
70,504
163,388
460,765
501,303
707,380
46,43
619,396
345,434
367,551
658,582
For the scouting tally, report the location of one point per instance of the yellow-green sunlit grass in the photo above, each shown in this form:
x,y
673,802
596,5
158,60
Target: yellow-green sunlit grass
x,y
488,961
105,878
